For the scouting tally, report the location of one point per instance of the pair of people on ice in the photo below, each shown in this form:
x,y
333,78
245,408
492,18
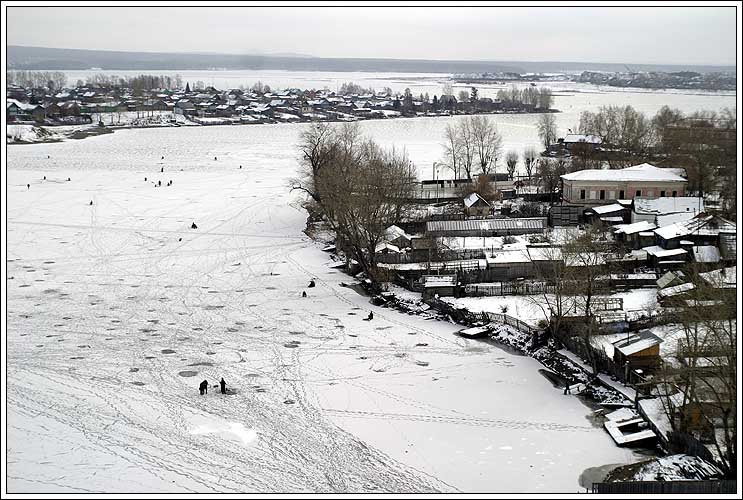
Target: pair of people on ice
x,y
204,386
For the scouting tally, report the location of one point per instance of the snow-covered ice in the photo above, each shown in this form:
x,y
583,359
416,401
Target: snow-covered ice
x,y
117,310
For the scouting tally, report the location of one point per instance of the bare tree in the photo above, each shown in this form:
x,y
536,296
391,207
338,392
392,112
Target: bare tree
x,y
547,129
460,148
530,158
487,142
512,159
453,149
359,188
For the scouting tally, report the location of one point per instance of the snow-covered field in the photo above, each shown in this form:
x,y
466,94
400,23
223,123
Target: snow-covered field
x,y
117,310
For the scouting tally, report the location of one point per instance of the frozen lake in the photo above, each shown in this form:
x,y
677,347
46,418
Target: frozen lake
x,y
117,310
255,146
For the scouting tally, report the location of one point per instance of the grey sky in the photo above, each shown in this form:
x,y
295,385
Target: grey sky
x,y
654,35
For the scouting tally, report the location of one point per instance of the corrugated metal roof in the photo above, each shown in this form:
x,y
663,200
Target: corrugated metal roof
x,y
533,223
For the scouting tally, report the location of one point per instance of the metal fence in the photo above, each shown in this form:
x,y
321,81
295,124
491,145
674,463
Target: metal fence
x,y
666,487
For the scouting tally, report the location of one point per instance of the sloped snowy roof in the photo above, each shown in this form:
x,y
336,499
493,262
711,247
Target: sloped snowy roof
x,y
634,228
705,225
721,278
675,290
636,342
644,172
473,198
668,219
660,252
384,245
606,209
394,232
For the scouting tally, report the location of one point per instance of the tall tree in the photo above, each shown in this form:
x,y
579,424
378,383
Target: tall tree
x,y
547,129
487,142
512,159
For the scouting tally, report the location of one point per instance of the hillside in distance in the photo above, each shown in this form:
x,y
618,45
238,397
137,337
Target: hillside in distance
x,y
43,58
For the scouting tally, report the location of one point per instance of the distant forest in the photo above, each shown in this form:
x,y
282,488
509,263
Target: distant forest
x,y
41,58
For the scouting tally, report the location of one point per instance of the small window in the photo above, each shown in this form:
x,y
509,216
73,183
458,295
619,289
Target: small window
x,y
602,195
673,194
582,194
621,194
662,194
638,193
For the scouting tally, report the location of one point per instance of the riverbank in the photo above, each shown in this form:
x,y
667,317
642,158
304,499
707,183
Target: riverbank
x,y
26,133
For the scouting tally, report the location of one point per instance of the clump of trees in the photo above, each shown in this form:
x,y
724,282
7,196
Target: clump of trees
x,y
260,88
137,83
472,146
358,188
349,88
536,98
51,80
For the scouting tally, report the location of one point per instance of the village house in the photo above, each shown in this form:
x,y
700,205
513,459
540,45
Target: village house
x,y
599,187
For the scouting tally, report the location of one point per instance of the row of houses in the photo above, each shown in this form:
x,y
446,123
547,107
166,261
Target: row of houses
x,y
288,105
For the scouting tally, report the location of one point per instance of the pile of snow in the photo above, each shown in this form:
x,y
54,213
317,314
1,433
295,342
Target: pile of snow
x,y
29,133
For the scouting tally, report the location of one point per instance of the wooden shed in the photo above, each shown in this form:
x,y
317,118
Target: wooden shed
x,y
638,350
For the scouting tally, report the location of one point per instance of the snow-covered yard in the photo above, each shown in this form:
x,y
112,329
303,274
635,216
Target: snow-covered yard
x,y
117,310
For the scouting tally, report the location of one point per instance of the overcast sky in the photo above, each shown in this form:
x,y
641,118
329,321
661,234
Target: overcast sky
x,y
657,35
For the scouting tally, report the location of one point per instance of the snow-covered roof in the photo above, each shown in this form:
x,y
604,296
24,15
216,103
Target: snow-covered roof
x,y
636,342
591,139
668,219
607,209
669,278
666,205
384,245
721,278
675,290
706,253
634,228
644,173
509,257
394,232
473,198
661,252
704,225
26,106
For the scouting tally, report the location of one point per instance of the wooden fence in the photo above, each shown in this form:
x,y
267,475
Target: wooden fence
x,y
502,288
505,319
666,487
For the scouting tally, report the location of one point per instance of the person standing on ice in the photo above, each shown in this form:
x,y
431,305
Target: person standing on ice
x,y
203,387
223,386
371,316
567,388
